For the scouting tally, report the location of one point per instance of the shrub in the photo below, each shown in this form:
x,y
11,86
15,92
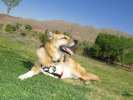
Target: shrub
x,y
111,48
10,28
94,51
28,27
83,47
128,58
43,37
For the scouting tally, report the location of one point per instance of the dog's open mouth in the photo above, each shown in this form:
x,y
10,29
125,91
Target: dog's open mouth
x,y
69,49
66,49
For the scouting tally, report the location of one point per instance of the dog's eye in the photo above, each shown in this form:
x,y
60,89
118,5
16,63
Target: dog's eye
x,y
64,38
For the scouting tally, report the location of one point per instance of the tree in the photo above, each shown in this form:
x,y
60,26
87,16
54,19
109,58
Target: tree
x,y
11,4
112,49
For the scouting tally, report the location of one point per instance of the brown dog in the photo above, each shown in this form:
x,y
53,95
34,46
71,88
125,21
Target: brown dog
x,y
51,55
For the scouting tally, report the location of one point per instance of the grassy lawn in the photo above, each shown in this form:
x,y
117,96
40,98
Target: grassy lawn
x,y
17,54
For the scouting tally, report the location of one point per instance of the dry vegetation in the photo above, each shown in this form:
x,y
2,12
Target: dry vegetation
x,y
82,33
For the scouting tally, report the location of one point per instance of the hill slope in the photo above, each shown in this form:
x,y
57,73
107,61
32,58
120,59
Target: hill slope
x,y
88,33
17,54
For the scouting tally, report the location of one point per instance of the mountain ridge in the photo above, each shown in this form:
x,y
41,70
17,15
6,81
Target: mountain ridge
x,y
83,33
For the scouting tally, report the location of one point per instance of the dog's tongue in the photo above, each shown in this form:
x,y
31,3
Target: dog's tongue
x,y
67,50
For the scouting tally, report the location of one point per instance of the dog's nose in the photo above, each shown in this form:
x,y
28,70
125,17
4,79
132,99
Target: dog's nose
x,y
76,41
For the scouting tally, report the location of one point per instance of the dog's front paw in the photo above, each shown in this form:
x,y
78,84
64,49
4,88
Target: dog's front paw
x,y
22,77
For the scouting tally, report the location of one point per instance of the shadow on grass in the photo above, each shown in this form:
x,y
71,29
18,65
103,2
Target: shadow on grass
x,y
27,64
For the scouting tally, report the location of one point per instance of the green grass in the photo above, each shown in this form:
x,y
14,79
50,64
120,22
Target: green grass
x,y
17,54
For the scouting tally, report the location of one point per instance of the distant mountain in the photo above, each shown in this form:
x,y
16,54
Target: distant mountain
x,y
82,33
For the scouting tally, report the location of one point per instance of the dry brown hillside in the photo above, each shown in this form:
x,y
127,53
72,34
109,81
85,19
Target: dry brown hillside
x,y
88,33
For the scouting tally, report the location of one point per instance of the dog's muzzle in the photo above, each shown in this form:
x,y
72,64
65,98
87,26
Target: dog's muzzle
x,y
68,48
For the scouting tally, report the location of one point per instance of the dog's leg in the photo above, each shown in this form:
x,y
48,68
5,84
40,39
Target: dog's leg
x,y
26,75
34,71
83,75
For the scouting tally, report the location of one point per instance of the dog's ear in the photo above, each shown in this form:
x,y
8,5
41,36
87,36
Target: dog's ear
x,y
50,35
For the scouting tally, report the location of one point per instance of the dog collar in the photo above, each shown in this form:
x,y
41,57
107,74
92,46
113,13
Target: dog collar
x,y
58,75
47,69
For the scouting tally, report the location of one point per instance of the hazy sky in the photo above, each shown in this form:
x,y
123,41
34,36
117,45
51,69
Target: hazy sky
x,y
116,14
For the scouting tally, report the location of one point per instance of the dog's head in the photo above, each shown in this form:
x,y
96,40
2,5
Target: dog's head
x,y
62,41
